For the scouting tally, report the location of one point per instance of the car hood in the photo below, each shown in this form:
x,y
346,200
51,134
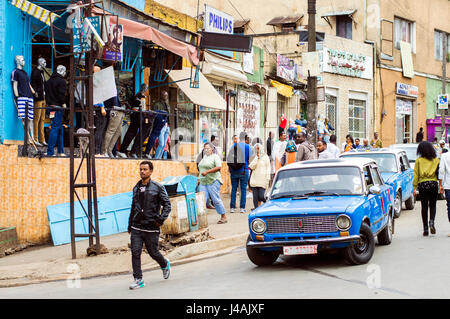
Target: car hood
x,y
388,177
311,205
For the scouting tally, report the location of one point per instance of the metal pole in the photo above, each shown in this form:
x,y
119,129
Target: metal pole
x,y
312,80
444,83
25,135
72,163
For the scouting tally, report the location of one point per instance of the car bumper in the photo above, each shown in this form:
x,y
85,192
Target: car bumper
x,y
312,241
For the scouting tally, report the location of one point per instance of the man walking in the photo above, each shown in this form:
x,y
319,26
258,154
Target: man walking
x,y
239,176
145,221
419,135
444,179
306,151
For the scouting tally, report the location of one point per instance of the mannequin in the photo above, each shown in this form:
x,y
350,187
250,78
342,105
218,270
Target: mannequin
x,y
160,125
55,96
100,121
24,94
37,83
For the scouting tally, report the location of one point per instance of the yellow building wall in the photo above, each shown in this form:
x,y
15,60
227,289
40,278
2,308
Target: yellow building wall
x,y
29,185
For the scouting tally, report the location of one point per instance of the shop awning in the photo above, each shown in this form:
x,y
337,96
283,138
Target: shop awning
x,y
339,13
38,12
205,95
283,89
284,20
223,68
142,31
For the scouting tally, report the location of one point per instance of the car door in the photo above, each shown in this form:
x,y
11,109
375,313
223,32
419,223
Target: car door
x,y
382,200
409,176
374,202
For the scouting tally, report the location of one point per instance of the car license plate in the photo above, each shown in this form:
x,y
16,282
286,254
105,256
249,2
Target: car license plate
x,y
300,250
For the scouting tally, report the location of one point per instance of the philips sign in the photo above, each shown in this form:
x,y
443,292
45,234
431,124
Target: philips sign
x,y
217,21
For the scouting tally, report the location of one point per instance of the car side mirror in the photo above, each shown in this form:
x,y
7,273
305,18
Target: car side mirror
x,y
376,190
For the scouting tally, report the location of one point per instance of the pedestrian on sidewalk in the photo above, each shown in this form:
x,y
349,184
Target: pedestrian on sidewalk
x,y
332,148
260,178
426,181
305,151
146,218
279,148
238,157
210,179
444,179
323,151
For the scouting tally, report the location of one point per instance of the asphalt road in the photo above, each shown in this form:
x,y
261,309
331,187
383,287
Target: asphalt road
x,y
413,266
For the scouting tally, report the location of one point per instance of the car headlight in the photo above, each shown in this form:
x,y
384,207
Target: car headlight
x,y
258,226
343,222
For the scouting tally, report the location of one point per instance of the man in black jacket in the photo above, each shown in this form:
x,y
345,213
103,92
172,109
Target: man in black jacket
x,y
145,220
55,96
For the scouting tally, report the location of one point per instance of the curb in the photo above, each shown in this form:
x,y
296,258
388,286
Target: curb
x,y
181,255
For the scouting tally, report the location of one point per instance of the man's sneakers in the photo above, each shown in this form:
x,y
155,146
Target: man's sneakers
x,y
232,210
138,283
166,271
243,211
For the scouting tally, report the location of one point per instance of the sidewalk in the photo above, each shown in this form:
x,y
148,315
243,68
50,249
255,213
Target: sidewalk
x,y
50,263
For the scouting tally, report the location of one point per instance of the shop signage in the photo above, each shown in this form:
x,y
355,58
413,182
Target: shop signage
x,y
84,32
285,68
247,63
403,106
406,89
347,63
443,102
114,48
217,21
248,113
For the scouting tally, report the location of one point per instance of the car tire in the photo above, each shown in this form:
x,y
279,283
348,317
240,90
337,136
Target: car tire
x,y
385,236
398,204
410,203
361,252
261,257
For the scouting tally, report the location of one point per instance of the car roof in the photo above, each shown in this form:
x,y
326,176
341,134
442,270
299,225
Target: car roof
x,y
404,145
359,162
379,151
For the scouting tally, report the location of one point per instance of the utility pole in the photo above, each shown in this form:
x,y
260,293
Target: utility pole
x,y
444,83
311,110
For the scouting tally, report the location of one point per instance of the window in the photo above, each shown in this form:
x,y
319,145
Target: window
x,y
344,26
439,42
405,31
376,177
357,118
330,110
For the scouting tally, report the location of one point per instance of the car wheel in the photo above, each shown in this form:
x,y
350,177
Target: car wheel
x,y
361,251
410,203
261,257
385,236
397,205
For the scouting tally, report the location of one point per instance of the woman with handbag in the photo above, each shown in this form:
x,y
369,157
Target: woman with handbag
x,y
426,181
260,177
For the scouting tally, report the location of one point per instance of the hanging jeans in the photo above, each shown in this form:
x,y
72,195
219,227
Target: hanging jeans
x,y
158,124
56,134
162,141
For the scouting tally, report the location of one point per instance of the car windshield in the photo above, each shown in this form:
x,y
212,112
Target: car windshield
x,y
323,181
386,162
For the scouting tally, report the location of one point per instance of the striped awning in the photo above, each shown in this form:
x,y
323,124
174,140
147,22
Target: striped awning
x,y
38,12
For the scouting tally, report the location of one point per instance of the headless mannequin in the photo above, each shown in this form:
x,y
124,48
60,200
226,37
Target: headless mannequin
x,y
20,63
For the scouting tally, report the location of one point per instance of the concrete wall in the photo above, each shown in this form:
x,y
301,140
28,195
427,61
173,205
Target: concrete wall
x,y
434,88
29,185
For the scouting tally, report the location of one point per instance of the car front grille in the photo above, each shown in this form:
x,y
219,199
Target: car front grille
x,y
309,224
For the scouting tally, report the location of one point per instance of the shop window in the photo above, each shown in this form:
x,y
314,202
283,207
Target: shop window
x,y
438,44
344,27
330,110
357,118
185,117
405,31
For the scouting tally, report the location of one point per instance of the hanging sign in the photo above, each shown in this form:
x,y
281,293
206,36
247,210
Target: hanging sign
x,y
443,101
286,68
114,48
406,89
347,63
216,21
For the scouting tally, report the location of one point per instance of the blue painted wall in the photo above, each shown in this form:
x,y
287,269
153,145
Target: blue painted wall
x,y
14,34
138,4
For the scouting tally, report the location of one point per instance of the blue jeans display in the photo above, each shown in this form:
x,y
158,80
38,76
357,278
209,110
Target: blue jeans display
x,y
56,134
236,179
158,124
162,141
213,191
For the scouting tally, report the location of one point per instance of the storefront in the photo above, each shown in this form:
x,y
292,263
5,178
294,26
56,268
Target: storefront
x,y
405,103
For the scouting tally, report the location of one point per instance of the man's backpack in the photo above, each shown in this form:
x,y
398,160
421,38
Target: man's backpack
x,y
236,158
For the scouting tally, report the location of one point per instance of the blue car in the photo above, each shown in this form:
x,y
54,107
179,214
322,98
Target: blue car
x,y
396,171
323,204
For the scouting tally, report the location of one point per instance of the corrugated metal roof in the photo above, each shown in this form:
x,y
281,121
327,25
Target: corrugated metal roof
x,y
339,13
240,23
284,20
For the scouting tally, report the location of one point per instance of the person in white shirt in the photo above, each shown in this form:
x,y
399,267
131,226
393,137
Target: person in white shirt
x,y
444,179
322,150
278,151
332,148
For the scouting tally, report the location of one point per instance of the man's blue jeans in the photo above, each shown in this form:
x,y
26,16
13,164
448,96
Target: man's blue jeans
x,y
447,197
236,179
56,134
